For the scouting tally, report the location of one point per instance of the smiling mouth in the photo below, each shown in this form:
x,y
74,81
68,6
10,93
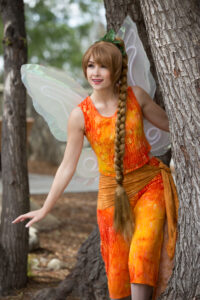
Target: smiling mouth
x,y
97,80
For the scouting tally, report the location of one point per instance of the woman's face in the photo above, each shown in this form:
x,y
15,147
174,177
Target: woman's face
x,y
98,76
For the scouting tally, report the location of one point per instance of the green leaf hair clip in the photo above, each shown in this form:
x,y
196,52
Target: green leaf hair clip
x,y
110,37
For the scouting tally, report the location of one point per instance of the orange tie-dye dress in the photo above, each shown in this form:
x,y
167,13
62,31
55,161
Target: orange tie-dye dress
x,y
137,261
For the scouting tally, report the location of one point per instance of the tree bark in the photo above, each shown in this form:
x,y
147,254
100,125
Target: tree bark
x,y
15,197
174,35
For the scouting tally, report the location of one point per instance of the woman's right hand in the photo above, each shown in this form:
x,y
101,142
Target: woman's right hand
x,y
35,216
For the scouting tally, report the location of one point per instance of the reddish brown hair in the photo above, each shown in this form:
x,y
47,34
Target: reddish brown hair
x,y
107,54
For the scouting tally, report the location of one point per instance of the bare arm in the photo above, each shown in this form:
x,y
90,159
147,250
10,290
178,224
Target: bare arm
x,y
70,159
65,170
151,111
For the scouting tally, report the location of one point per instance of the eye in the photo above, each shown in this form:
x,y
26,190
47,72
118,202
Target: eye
x,y
103,66
90,65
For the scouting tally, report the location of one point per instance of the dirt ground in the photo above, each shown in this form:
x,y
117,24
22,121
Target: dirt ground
x,y
77,213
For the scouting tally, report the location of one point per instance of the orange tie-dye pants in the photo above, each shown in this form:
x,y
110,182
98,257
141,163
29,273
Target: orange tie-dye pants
x,y
137,261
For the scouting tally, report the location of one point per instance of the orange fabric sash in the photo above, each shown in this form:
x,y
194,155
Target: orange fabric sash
x,y
133,183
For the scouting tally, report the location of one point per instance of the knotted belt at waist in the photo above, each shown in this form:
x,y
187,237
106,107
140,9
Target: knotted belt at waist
x,y
133,183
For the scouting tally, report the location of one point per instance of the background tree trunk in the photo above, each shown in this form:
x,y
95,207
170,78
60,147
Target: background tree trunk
x,y
174,35
15,198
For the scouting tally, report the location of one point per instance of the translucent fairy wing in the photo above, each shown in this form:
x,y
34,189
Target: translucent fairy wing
x,y
138,63
54,95
139,74
158,139
83,184
87,165
86,177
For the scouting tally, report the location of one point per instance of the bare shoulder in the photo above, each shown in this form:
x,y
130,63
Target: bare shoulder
x,y
141,95
76,119
137,88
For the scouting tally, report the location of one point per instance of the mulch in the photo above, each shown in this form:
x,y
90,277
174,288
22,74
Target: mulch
x,y
77,213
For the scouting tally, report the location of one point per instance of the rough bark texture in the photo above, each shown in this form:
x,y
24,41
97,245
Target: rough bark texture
x,y
15,197
174,35
88,278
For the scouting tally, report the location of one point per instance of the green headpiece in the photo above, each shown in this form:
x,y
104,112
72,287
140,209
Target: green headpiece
x,y
110,37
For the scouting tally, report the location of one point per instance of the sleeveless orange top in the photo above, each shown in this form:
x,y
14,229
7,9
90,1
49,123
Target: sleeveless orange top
x,y
100,132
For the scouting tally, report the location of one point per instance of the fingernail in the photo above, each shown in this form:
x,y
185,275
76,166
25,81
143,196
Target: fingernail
x,y
26,225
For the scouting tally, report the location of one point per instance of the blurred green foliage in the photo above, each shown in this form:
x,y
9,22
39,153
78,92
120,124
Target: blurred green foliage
x,y
52,40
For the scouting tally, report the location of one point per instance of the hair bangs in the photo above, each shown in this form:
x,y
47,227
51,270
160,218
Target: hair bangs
x,y
106,54
102,57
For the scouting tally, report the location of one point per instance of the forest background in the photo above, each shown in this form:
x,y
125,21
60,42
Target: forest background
x,y
58,33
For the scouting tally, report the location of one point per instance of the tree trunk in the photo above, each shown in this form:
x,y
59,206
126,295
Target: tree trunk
x,y
174,35
15,197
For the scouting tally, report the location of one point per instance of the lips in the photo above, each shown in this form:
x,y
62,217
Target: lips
x,y
97,81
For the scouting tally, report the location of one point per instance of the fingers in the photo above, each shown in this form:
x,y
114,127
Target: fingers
x,y
31,223
35,215
21,218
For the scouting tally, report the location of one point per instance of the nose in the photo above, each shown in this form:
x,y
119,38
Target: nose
x,y
96,70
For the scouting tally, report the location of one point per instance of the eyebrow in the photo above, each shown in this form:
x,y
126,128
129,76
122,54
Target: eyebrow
x,y
90,61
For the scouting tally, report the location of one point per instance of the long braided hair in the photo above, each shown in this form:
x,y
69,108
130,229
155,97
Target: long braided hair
x,y
109,55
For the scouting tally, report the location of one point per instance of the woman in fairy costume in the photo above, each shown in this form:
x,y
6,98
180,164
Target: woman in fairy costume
x,y
132,196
